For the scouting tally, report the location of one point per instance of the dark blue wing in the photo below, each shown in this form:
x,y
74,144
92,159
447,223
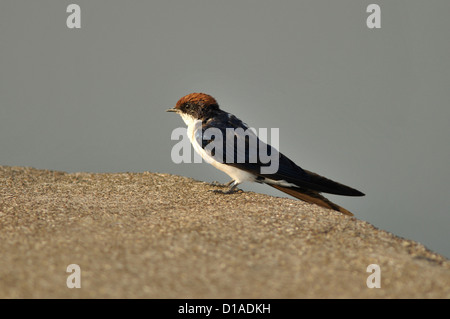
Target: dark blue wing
x,y
248,158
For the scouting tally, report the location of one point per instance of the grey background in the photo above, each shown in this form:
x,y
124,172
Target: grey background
x,y
368,108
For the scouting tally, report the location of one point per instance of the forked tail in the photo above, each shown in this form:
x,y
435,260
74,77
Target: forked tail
x,y
311,197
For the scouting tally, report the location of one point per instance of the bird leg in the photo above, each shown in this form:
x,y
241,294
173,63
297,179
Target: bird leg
x,y
216,183
233,185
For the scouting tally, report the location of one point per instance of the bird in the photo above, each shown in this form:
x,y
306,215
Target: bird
x,y
201,112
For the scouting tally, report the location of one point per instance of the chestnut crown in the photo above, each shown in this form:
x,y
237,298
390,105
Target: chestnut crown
x,y
198,105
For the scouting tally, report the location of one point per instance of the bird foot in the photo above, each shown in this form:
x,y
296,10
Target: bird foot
x,y
217,184
230,191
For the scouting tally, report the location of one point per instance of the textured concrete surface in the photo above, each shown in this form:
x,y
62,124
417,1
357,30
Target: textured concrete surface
x,y
154,235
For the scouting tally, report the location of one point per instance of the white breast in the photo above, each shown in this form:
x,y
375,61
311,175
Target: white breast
x,y
194,127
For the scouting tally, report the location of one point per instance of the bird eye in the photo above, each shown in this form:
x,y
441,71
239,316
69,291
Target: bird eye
x,y
187,106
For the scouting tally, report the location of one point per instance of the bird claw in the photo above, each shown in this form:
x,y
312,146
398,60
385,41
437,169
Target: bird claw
x,y
217,184
230,191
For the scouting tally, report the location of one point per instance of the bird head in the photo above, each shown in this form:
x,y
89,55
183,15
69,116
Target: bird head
x,y
195,105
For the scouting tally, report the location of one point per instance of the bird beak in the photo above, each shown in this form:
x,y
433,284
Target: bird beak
x,y
172,110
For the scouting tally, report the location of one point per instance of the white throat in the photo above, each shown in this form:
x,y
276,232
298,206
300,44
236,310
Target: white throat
x,y
194,127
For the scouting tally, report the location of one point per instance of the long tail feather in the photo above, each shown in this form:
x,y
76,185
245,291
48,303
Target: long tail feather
x,y
311,197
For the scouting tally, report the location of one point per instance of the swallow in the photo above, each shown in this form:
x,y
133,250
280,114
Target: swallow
x,y
201,112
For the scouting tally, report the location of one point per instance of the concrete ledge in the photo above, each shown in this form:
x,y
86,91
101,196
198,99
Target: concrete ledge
x,y
151,235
